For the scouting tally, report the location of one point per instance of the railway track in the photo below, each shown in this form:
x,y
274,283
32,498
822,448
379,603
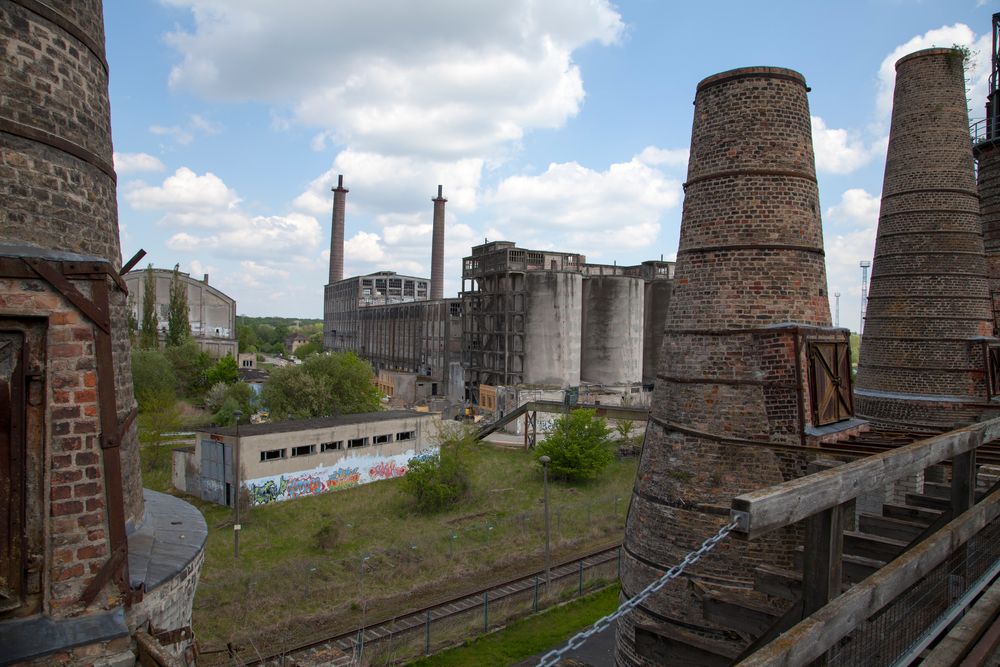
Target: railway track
x,y
342,647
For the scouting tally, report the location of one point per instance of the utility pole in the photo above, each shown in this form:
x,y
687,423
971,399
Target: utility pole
x,y
236,479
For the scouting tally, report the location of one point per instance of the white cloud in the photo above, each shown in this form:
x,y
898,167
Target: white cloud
x,y
133,162
175,132
185,134
856,208
257,275
436,79
839,151
596,212
184,191
849,232
667,157
944,37
364,247
385,184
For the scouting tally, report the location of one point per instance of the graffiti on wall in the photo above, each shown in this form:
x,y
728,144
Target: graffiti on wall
x,y
386,470
347,473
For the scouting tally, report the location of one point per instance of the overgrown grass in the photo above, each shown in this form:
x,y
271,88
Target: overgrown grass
x,y
386,558
526,637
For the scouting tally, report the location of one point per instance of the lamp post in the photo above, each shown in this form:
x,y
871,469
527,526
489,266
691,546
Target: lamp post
x,y
544,460
236,484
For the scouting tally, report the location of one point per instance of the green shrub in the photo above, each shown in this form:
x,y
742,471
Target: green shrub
x,y
441,480
577,445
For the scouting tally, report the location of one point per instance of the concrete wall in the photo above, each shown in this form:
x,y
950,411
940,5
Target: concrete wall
x,y
611,347
311,473
657,301
552,325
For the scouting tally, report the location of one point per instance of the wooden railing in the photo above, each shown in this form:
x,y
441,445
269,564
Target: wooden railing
x,y
821,500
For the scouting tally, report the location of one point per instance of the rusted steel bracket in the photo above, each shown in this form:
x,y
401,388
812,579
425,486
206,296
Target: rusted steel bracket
x,y
129,265
171,636
107,571
94,310
126,423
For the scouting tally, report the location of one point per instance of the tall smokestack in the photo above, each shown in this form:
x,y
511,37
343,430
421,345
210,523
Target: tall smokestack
x,y
437,248
921,360
337,233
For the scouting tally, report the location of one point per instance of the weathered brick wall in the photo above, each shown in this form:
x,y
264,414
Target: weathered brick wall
x,y
750,258
53,87
929,293
988,181
76,514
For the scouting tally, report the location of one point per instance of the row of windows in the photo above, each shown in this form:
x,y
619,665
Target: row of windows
x,y
354,443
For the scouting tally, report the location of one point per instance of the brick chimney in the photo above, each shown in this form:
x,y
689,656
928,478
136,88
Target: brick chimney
x,y
749,301
437,248
928,318
337,231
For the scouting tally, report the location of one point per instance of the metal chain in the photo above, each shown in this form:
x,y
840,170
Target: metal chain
x,y
577,640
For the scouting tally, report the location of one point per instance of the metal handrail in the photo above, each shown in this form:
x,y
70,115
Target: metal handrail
x,y
982,130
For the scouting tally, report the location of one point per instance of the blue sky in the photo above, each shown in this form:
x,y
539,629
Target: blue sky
x,y
558,124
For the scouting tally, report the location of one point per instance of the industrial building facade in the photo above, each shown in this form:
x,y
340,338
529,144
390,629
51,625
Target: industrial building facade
x,y
548,319
211,313
306,457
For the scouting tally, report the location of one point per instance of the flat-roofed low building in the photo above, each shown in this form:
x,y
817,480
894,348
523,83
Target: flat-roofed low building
x,y
305,457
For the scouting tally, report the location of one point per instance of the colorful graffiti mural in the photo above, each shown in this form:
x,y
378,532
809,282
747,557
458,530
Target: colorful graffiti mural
x,y
348,473
386,470
269,491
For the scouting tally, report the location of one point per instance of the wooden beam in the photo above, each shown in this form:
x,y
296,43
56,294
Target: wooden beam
x,y
811,638
824,549
762,511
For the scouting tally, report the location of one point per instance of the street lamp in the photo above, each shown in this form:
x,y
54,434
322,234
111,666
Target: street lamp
x,y
544,460
236,479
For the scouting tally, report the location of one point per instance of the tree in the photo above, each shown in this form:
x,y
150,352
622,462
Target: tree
x,y
223,400
159,417
178,324
190,364
225,370
148,335
441,480
577,445
308,349
152,376
324,385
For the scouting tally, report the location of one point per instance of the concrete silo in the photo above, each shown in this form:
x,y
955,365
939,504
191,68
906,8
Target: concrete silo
x,y
611,340
553,308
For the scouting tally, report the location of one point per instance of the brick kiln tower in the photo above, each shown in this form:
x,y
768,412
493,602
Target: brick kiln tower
x,y
929,324
82,561
741,368
986,149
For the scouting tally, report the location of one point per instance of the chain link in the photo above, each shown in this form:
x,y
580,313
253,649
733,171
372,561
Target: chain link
x,y
577,640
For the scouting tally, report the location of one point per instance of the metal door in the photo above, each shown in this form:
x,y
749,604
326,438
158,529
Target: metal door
x,y
12,469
